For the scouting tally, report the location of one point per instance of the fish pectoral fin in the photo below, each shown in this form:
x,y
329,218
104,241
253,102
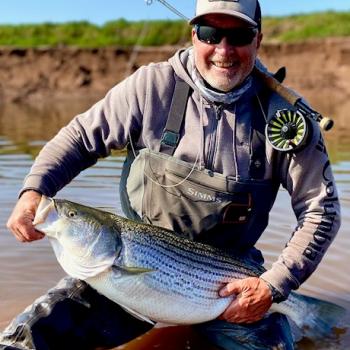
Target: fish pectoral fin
x,y
137,315
130,270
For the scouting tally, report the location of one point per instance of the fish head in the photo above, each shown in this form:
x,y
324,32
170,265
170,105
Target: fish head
x,y
85,239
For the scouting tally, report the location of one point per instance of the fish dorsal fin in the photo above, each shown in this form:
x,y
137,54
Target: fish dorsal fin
x,y
137,315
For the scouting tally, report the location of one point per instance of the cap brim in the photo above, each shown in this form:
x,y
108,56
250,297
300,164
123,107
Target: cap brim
x,y
235,14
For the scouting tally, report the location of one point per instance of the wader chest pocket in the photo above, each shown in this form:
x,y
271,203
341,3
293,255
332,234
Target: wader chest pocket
x,y
184,205
229,207
196,191
191,206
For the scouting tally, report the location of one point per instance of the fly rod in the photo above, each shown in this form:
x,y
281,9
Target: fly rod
x,y
171,8
294,99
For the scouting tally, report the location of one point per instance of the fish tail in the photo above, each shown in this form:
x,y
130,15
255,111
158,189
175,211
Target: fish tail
x,y
316,318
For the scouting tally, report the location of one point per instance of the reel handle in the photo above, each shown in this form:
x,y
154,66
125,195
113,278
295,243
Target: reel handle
x,y
294,99
326,123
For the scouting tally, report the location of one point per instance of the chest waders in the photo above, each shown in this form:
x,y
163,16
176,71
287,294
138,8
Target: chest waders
x,y
198,203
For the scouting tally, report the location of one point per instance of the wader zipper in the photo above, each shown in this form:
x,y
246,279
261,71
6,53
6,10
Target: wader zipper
x,y
213,135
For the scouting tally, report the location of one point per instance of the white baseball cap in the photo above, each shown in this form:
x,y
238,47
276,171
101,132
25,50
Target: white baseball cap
x,y
247,10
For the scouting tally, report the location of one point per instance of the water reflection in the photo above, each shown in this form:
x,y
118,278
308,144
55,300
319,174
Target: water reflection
x,y
28,270
24,128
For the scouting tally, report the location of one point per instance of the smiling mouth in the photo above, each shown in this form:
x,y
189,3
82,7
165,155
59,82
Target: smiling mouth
x,y
223,64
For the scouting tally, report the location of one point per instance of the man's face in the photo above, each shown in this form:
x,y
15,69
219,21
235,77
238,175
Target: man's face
x,y
224,66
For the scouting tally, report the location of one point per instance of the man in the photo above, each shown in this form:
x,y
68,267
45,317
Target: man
x,y
198,163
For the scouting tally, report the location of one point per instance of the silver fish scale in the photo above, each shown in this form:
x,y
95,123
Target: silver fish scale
x,y
202,253
170,275
196,274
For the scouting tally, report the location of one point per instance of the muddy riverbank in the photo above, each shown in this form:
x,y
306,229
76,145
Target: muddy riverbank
x,y
320,70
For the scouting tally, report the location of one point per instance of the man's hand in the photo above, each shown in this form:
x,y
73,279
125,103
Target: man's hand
x,y
21,220
253,300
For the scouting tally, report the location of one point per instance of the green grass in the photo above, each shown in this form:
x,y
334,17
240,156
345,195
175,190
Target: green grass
x,y
303,27
159,33
85,34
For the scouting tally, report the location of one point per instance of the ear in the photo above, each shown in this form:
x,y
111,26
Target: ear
x,y
193,35
259,39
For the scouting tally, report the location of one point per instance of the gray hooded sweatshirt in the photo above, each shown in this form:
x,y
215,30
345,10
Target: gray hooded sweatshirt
x,y
218,138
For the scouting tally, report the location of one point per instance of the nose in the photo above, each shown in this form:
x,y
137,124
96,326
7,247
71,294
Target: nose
x,y
223,47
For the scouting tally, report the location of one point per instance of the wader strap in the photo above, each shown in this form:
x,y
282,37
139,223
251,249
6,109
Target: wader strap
x,y
171,133
258,149
258,146
129,212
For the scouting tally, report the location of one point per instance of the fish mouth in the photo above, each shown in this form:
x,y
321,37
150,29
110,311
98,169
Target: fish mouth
x,y
43,217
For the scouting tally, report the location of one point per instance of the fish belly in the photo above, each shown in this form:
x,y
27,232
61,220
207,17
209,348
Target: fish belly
x,y
139,295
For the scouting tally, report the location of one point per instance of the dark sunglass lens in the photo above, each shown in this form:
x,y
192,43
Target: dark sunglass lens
x,y
241,36
209,35
235,37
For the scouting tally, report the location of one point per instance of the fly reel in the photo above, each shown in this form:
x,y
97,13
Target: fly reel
x,y
287,131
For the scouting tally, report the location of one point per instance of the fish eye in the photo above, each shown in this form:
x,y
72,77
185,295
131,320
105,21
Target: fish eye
x,y
72,213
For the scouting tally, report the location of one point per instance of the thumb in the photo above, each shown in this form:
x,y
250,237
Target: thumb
x,y
233,287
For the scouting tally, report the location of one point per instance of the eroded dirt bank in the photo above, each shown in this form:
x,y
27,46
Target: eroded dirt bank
x,y
319,70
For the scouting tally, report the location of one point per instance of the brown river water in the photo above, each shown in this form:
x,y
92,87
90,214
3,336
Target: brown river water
x,y
28,270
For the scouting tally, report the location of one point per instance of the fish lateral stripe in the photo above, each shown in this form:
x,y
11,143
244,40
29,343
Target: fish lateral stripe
x,y
197,256
223,271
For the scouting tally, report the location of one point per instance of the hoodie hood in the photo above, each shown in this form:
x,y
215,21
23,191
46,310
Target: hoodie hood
x,y
182,66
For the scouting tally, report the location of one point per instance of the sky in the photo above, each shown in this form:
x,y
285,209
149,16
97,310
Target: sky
x,y
101,11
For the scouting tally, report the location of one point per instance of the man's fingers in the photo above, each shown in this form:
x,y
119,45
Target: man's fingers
x,y
252,302
23,234
235,314
230,288
20,222
18,235
230,313
33,236
24,213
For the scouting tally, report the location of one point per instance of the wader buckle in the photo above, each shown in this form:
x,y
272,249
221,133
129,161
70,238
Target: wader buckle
x,y
238,213
170,138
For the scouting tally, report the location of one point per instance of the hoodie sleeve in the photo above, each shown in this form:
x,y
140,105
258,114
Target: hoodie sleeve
x,y
308,177
89,136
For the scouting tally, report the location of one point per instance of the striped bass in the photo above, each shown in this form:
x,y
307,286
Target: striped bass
x,y
155,274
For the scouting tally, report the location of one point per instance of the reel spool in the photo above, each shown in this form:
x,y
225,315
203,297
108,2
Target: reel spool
x,y
287,131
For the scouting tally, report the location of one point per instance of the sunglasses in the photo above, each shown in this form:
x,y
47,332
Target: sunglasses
x,y
234,36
